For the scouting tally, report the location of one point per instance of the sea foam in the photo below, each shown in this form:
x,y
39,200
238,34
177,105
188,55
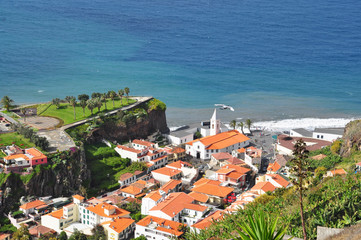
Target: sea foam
x,y
307,123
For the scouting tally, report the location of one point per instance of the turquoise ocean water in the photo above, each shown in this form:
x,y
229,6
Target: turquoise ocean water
x,y
268,59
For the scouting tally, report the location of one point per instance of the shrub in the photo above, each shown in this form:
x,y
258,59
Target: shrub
x,y
336,146
156,104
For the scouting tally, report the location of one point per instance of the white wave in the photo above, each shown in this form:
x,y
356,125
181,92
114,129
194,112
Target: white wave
x,y
40,91
307,123
172,129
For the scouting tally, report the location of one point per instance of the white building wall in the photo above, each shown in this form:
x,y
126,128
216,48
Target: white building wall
x,y
179,140
295,134
150,233
161,178
283,150
326,136
52,223
127,154
160,214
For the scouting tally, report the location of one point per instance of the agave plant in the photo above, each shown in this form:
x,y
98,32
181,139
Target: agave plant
x,y
259,227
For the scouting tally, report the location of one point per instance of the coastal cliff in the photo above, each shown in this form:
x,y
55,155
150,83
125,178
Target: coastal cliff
x,y
67,173
351,138
139,123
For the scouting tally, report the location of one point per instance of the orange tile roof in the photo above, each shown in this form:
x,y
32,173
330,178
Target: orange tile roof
x,y
273,167
235,161
129,149
280,180
358,164
179,164
167,171
32,204
125,176
178,150
195,207
78,197
235,175
119,224
4,236
222,156
35,153
56,214
224,171
221,140
99,210
213,190
208,181
133,190
319,157
241,150
142,142
170,185
200,197
339,172
208,221
239,169
173,204
264,186
162,225
16,156
155,196
35,231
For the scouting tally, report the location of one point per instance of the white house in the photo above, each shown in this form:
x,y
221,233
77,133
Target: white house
x,y
165,174
277,180
151,200
119,228
328,134
158,228
222,142
31,207
285,144
189,173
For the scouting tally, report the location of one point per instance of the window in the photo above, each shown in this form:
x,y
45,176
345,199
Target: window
x,y
321,136
36,160
318,136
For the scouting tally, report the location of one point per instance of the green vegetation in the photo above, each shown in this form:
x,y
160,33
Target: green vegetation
x,y
66,112
6,226
15,138
156,104
106,167
6,102
30,134
134,209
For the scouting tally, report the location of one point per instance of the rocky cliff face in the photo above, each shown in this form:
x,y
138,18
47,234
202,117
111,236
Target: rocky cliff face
x,y
140,128
65,179
351,138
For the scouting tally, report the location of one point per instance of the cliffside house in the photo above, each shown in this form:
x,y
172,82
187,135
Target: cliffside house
x,y
210,190
27,158
232,175
37,207
119,228
277,180
327,134
129,178
165,174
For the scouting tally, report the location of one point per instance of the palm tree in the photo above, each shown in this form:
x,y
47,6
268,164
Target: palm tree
x,y
83,104
98,103
241,125
249,124
56,102
6,102
112,95
104,99
23,111
300,170
68,98
258,227
126,90
91,105
73,103
233,124
121,94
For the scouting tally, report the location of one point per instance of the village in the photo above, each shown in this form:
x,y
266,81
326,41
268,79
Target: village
x,y
191,182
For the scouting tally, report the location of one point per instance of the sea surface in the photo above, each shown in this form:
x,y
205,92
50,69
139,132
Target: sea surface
x,y
270,60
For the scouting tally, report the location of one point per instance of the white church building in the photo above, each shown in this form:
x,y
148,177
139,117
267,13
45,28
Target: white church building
x,y
217,141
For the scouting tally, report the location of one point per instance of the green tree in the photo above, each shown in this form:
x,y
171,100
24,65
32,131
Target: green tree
x,y
68,98
62,235
141,237
121,94
241,125
23,111
91,105
98,103
98,233
84,97
104,100
96,95
83,105
112,95
56,102
78,236
300,171
6,102
258,227
249,124
21,234
233,124
127,91
72,102
197,135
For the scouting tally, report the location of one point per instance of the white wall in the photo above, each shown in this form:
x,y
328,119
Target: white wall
x,y
326,136
180,140
151,233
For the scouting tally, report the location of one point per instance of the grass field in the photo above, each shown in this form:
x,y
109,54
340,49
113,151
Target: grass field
x,y
19,140
66,112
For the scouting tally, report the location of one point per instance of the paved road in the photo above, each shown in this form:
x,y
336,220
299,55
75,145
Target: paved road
x,y
10,119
